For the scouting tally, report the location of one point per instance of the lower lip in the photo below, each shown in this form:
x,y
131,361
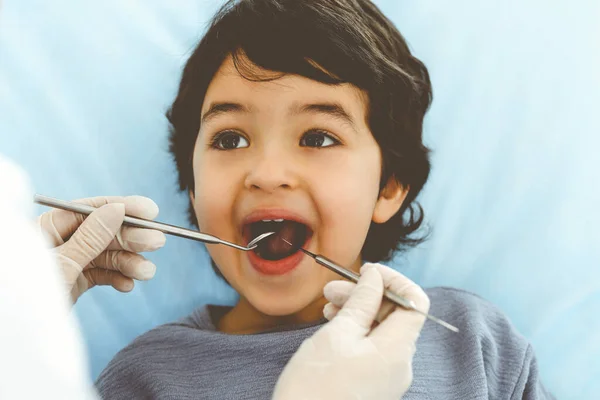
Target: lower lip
x,y
279,267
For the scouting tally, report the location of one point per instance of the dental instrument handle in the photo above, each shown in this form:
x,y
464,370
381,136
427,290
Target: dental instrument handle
x,y
402,302
135,222
324,261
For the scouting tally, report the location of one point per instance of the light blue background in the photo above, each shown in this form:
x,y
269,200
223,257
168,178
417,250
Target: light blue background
x,y
514,195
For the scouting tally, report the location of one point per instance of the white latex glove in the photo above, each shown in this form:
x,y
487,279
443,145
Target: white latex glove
x,y
348,358
96,250
41,350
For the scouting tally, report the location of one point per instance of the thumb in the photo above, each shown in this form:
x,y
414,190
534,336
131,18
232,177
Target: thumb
x,y
94,234
363,303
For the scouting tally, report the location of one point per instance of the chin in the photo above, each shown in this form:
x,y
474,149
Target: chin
x,y
282,307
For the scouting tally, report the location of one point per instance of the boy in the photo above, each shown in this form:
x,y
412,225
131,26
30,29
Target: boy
x,y
305,118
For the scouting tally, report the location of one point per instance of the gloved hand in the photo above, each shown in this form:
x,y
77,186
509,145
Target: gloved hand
x,y
348,358
96,250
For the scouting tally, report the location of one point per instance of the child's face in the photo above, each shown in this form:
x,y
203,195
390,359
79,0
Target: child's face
x,y
293,148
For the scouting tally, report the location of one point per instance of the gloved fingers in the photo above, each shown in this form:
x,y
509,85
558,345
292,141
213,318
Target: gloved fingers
x,y
387,307
97,277
129,264
338,292
330,311
399,331
47,227
94,234
359,311
397,283
137,240
59,225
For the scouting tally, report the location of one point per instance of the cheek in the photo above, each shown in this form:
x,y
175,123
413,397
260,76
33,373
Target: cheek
x,y
213,204
346,199
354,182
213,199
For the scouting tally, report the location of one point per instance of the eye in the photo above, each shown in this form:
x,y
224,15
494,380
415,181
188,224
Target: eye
x,y
229,140
318,138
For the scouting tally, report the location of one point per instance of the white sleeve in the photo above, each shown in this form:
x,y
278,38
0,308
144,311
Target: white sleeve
x,y
42,353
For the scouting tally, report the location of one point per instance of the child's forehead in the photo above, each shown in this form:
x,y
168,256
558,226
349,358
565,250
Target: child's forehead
x,y
231,85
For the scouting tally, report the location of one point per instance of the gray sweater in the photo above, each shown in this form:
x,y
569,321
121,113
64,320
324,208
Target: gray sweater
x,y
192,360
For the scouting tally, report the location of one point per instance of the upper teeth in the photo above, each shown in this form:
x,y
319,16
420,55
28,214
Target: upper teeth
x,y
271,220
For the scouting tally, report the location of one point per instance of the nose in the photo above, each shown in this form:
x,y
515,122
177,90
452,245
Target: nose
x,y
272,171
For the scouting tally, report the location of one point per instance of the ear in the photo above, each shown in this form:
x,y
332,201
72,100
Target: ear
x,y
192,197
390,200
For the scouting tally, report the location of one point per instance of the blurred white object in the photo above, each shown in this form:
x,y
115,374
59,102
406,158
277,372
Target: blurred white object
x,y
42,351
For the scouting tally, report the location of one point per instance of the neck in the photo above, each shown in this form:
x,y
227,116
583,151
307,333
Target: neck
x,y
245,319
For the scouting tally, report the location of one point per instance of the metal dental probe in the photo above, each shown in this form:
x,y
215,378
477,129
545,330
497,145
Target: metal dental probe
x,y
402,302
145,223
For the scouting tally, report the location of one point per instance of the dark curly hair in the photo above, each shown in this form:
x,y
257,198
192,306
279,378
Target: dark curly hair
x,y
333,42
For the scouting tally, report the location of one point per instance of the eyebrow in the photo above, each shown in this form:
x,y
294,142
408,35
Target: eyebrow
x,y
334,110
222,108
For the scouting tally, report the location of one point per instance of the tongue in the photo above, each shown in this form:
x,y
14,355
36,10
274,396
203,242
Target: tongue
x,y
275,244
275,247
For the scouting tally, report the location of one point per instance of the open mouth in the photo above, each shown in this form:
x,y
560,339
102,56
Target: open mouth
x,y
274,247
